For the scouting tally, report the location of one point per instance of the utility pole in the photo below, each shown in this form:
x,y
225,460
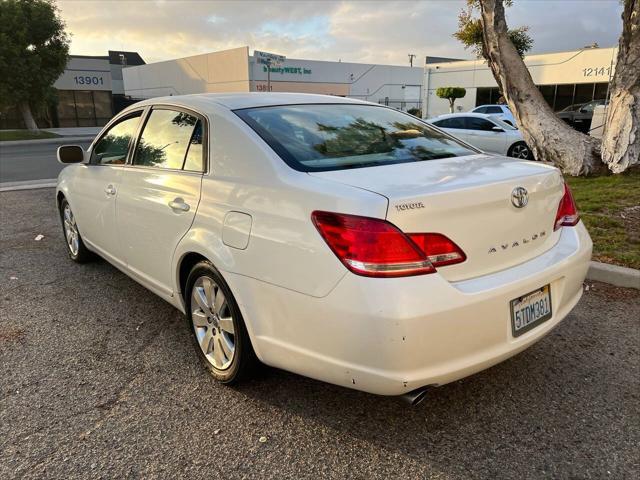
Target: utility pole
x,y
411,57
268,75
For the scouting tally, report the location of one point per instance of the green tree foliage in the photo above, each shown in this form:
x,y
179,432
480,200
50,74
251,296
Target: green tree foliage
x,y
451,94
470,31
34,49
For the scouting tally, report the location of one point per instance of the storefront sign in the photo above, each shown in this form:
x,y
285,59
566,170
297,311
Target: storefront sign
x,y
288,70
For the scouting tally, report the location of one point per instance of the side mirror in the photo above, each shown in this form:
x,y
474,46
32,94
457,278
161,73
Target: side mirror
x,y
70,154
497,129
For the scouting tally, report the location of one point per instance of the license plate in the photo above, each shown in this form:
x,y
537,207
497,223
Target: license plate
x,y
530,310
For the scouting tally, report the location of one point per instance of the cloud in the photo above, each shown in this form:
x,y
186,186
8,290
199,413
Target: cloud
x,y
358,31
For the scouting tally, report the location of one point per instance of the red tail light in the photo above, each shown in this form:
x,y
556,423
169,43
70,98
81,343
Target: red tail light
x,y
567,215
377,248
439,249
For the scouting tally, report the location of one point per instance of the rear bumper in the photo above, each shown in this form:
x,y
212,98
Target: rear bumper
x,y
391,336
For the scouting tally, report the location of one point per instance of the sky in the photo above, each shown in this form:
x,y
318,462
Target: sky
x,y
355,31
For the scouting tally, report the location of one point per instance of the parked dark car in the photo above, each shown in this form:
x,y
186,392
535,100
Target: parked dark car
x,y
579,115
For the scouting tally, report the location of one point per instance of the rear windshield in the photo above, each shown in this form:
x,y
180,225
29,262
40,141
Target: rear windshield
x,y
323,137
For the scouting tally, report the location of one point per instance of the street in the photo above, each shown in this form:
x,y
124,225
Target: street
x,y
37,161
99,379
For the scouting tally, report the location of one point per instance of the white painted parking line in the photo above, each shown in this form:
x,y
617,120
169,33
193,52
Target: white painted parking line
x,y
27,185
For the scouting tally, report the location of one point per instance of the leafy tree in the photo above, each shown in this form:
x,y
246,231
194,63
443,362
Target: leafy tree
x,y
470,31
549,137
34,49
451,94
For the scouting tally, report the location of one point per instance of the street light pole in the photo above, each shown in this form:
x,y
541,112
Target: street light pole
x,y
411,57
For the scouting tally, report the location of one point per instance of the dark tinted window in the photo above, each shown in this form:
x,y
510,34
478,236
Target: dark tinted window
x,y
481,110
601,91
455,122
166,139
112,148
475,123
333,137
564,96
492,110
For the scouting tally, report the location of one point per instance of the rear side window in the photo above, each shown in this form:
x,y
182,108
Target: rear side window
x,y
455,122
480,110
318,137
475,123
492,110
172,140
112,148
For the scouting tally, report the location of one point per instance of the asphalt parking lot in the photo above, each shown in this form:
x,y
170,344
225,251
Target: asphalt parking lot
x,y
99,380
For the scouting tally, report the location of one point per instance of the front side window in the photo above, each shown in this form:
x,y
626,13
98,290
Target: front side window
x,y
318,137
113,147
170,139
492,110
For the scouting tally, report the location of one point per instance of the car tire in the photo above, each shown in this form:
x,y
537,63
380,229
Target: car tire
x,y
520,150
77,250
217,328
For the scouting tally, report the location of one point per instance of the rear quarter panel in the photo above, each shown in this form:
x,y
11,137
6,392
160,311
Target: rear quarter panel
x,y
284,247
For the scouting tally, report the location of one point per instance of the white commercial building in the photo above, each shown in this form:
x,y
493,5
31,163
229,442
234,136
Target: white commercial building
x,y
564,78
237,71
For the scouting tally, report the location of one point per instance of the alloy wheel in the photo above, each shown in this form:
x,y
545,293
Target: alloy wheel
x,y
213,323
520,151
71,230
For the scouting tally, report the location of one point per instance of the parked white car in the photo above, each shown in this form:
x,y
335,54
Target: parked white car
x,y
501,112
485,132
342,240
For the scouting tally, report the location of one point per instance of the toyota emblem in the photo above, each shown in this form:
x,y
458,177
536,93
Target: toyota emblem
x,y
519,197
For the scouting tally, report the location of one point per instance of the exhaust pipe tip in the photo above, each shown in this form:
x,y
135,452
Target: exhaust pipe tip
x,y
416,396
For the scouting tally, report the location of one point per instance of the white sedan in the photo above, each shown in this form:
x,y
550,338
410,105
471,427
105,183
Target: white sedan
x,y
486,132
339,239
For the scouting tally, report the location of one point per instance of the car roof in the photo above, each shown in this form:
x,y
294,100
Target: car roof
x,y
234,101
463,114
490,105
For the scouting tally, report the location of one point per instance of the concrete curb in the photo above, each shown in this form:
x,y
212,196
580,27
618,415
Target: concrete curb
x,y
51,141
27,185
614,275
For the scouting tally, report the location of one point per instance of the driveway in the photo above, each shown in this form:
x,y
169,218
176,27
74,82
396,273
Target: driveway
x,y
99,380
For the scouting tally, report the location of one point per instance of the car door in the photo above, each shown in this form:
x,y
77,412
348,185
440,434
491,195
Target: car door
x,y
95,187
160,192
481,134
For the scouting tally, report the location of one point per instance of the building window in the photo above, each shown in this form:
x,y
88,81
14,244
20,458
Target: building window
x,y
83,108
557,96
601,91
584,93
549,94
564,96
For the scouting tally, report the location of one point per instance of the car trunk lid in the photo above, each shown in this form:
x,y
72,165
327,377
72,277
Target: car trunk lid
x,y
469,199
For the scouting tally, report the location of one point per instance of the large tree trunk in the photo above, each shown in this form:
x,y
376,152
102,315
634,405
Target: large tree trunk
x,y
549,137
25,109
621,138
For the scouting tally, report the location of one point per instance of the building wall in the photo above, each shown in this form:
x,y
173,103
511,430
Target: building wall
x,y
587,66
225,71
375,83
236,71
85,73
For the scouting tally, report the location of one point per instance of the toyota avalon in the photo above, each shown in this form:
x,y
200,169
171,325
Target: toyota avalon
x,y
335,238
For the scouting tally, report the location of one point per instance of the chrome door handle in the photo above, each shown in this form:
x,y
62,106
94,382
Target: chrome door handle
x,y
110,190
179,204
